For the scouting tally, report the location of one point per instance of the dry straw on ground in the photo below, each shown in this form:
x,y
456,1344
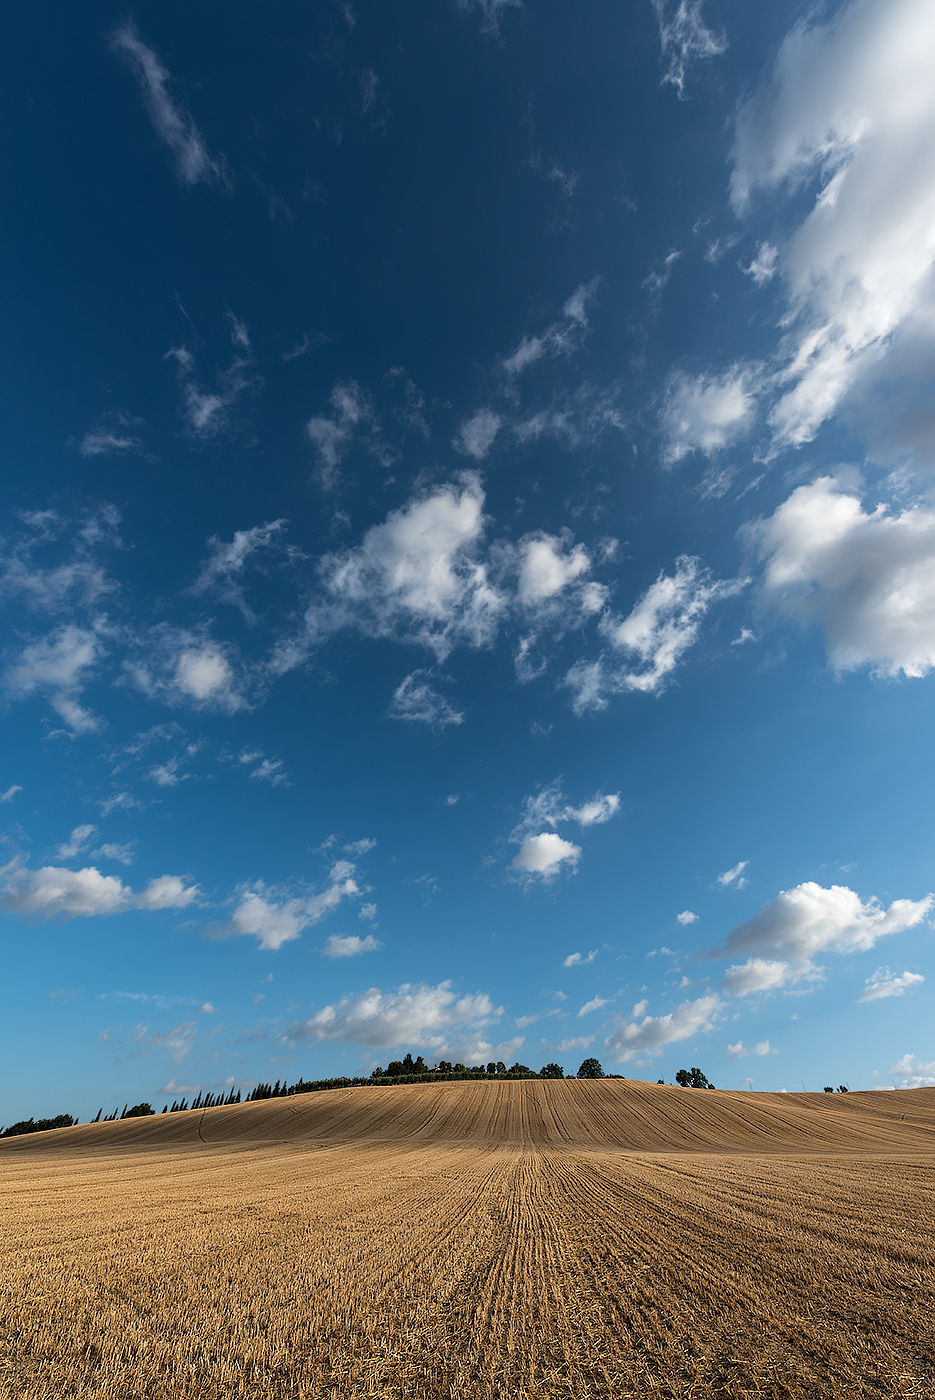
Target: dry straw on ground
x,y
481,1240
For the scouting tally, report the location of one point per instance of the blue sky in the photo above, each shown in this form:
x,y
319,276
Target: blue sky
x,y
468,549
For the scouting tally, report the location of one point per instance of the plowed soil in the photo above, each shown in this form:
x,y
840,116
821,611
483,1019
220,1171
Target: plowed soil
x,y
477,1240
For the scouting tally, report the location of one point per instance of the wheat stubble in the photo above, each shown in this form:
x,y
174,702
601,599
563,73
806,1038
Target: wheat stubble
x,y
525,1258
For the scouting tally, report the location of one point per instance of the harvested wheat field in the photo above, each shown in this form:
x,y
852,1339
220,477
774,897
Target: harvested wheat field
x,y
475,1240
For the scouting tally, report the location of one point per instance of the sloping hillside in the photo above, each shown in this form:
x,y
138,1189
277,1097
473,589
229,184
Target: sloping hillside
x,y
627,1114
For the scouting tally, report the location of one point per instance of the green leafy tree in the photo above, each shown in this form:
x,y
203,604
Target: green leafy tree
x,y
551,1071
590,1069
692,1079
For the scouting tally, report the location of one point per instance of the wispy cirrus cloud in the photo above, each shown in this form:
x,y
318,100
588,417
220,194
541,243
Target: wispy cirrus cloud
x,y
685,39
172,122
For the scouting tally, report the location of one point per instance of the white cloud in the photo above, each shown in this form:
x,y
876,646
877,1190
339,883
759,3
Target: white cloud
x,y
274,924
172,123
413,1015
476,434
112,850
349,946
741,1051
332,436
884,984
764,266
181,667
756,975
361,847
271,770
166,774
544,855
686,917
706,414
685,39
416,699
77,841
546,567
727,877
167,892
208,413
102,442
576,960
662,625
208,1010
78,582
563,337
222,573
55,893
60,666
416,577
10,793
850,106
367,911
552,592
805,921
867,578
549,806
490,9
652,1034
594,1004
919,1075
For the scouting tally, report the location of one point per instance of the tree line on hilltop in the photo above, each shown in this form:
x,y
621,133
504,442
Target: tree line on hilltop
x,y
405,1071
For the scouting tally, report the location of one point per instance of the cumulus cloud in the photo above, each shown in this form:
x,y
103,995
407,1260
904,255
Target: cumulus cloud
x,y
686,917
416,577
544,855
55,893
167,892
685,39
868,578
274,923
181,667
741,1051
884,984
548,578
415,698
576,960
789,931
918,1073
662,625
476,435
350,945
651,1035
707,413
734,876
850,108
412,1015
10,793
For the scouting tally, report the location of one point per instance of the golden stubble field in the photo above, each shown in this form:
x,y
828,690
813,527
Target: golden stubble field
x,y
477,1240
